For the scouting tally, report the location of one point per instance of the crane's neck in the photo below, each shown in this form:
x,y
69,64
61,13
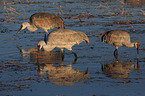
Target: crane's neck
x,y
31,28
129,45
47,47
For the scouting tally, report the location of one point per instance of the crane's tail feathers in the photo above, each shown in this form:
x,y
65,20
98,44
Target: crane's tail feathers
x,y
86,41
104,36
82,37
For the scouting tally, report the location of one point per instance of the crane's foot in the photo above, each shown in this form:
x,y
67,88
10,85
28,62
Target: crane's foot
x,y
116,54
62,57
76,57
62,54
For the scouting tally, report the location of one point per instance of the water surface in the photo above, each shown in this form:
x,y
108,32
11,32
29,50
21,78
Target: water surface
x,y
45,74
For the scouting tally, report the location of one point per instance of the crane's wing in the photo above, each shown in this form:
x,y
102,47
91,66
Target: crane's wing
x,y
116,37
65,36
46,21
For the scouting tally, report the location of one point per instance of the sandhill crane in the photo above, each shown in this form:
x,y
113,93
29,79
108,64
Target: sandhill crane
x,y
118,38
63,38
45,21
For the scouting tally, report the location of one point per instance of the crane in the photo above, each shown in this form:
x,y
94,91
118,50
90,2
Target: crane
x,y
118,38
44,21
63,38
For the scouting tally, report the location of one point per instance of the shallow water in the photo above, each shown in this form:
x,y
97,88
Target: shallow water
x,y
42,73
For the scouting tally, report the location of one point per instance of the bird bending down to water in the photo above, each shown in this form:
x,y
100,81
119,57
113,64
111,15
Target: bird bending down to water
x,y
44,21
63,38
118,38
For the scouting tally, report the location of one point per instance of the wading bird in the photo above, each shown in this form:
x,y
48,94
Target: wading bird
x,y
118,38
63,38
44,21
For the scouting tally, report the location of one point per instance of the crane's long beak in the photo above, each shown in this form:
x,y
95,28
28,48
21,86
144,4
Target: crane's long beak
x,y
19,29
138,48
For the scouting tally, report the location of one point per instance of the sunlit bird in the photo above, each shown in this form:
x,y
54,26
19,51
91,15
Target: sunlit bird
x,y
118,38
63,38
44,21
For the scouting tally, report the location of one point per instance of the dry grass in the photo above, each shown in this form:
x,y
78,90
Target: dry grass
x,y
104,8
11,12
118,10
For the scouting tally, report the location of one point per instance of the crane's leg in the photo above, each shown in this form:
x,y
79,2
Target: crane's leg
x,y
39,69
45,37
136,67
74,54
116,53
62,54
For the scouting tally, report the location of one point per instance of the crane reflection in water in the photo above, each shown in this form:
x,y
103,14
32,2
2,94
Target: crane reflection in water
x,y
117,69
51,67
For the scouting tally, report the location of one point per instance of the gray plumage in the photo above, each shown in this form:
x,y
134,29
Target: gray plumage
x,y
44,21
118,38
63,38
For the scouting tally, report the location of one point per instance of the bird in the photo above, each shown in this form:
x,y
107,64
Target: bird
x,y
63,38
44,21
118,38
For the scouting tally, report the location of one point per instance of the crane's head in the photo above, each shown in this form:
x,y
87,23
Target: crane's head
x,y
136,43
40,45
23,26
